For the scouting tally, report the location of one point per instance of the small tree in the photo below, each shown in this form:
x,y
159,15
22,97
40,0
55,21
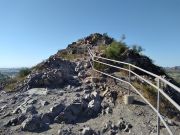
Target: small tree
x,y
24,72
137,49
123,37
115,50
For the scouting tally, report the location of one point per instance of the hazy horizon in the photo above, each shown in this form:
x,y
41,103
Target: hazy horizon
x,y
31,31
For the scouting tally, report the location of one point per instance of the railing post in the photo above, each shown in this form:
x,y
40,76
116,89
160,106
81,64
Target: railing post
x,y
93,61
129,79
158,100
93,67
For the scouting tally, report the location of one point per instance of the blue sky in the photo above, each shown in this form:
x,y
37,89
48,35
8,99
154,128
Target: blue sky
x,y
32,30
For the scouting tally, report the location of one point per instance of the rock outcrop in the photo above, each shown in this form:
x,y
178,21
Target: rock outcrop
x,y
52,73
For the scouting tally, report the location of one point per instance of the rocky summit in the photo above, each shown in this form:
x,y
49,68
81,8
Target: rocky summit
x,y
63,95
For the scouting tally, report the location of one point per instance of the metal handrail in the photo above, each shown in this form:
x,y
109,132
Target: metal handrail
x,y
161,91
143,70
159,117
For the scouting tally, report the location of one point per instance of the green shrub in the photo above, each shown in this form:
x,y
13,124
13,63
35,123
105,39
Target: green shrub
x,y
24,72
102,48
115,49
12,83
99,66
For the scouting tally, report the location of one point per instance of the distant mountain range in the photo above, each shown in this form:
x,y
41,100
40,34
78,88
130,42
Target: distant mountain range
x,y
11,72
172,68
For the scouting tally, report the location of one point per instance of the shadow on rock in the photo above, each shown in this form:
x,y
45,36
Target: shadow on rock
x,y
136,102
34,124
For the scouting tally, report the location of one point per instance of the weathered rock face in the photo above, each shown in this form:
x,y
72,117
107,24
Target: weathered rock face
x,y
16,120
93,39
34,124
52,78
55,110
71,113
93,107
56,63
53,73
81,108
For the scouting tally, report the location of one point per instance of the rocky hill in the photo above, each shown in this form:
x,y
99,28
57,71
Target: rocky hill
x,y
63,95
64,61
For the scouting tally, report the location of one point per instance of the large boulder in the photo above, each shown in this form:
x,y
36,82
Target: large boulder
x,y
51,116
94,108
16,120
57,109
70,113
95,105
47,118
93,101
25,109
34,124
74,108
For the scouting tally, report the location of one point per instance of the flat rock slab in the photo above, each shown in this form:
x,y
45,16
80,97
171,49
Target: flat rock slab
x,y
37,91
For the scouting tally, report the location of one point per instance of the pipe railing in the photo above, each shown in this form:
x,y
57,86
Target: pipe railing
x,y
143,70
95,58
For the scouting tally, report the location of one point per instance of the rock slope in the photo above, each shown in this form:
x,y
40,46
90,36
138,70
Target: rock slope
x,y
76,109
